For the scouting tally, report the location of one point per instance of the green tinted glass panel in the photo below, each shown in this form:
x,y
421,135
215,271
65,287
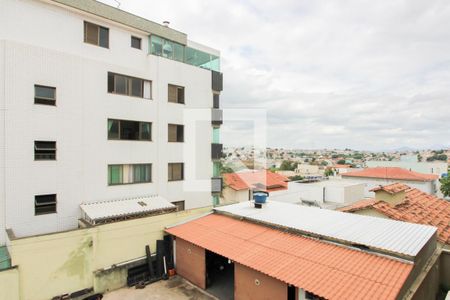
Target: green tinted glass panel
x,y
156,45
216,135
216,169
215,200
114,174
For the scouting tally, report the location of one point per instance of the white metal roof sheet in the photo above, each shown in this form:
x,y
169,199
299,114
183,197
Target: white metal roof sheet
x,y
384,234
124,207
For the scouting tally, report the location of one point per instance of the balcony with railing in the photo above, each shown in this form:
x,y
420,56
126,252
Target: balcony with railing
x,y
175,51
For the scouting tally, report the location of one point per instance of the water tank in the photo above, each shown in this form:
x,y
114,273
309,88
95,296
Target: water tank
x,y
260,198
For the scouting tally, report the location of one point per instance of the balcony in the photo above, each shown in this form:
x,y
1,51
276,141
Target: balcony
x,y
216,116
216,151
217,81
216,184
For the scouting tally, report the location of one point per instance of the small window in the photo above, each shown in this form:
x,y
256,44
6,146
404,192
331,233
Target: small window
x,y
176,171
130,173
44,150
44,95
44,204
176,94
179,205
96,35
176,133
129,130
136,42
129,86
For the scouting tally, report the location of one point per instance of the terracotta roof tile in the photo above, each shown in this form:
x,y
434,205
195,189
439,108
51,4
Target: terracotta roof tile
x,y
325,269
262,180
391,173
417,207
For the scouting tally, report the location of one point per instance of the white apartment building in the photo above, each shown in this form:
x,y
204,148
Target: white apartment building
x,y
97,104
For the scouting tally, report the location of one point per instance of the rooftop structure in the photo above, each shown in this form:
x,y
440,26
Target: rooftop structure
x,y
412,206
324,269
261,180
391,173
392,237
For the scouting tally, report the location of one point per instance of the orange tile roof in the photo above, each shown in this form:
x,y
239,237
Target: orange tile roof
x,y
393,188
262,180
417,207
325,269
337,166
391,173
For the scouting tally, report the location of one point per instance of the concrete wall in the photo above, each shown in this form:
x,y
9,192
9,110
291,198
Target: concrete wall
x,y
65,262
33,52
232,196
370,183
191,262
251,284
430,285
9,284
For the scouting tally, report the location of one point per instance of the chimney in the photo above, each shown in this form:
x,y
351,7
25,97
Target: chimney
x,y
392,197
166,23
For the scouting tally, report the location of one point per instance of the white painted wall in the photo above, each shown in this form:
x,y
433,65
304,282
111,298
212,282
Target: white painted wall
x,y
371,183
230,195
36,49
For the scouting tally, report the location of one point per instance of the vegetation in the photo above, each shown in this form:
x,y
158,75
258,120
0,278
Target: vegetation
x,y
437,156
341,162
288,165
328,172
296,177
445,186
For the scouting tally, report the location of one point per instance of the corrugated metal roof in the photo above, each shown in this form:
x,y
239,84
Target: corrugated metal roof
x,y
322,268
95,212
377,233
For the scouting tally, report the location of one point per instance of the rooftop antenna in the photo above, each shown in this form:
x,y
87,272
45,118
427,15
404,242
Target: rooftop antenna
x,y
118,3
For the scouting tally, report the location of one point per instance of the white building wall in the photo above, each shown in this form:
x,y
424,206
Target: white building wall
x,y
78,122
436,168
2,143
371,183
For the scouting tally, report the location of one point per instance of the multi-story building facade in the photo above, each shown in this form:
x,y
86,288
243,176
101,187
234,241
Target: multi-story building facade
x,y
94,107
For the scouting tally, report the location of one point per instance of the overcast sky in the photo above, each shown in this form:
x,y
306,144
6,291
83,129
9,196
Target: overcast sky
x,y
338,74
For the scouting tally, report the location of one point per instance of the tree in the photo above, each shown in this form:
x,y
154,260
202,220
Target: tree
x,y
296,178
445,186
288,165
341,162
328,172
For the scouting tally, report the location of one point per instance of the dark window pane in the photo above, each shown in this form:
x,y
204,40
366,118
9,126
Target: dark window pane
x,y
180,133
91,33
175,171
44,150
172,93
44,95
179,205
110,82
113,129
45,204
180,94
135,42
120,84
142,173
136,87
129,130
146,131
104,37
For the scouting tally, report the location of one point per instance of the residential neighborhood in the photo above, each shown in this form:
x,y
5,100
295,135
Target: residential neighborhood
x,y
224,150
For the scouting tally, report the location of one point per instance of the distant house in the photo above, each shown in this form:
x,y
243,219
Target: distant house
x,y
305,170
374,177
240,186
404,203
340,169
410,163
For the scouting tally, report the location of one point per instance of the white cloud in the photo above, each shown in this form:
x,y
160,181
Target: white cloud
x,y
362,74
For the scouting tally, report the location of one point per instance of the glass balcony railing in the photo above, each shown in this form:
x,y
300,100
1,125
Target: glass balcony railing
x,y
175,51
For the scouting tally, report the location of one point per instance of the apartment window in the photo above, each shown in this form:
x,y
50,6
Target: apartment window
x,y
129,130
179,205
44,150
44,204
129,173
96,35
44,95
176,171
136,42
129,86
176,133
176,94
